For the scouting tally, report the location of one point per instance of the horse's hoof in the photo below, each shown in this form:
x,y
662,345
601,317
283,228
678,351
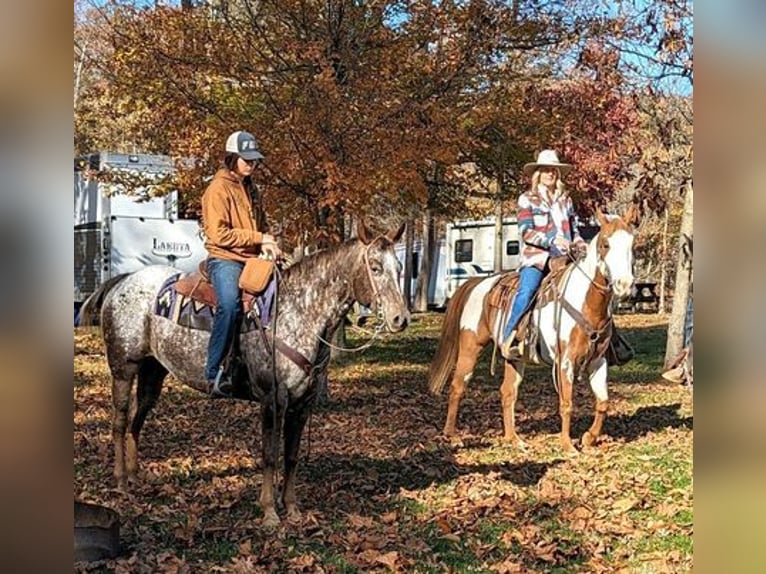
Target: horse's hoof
x,y
270,520
516,442
122,485
455,440
588,439
570,450
294,515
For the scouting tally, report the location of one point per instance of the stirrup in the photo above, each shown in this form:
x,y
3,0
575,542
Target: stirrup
x,y
508,349
222,386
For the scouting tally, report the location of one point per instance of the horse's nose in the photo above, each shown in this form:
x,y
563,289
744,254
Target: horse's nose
x,y
399,322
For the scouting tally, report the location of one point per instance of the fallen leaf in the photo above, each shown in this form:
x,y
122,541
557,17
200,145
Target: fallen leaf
x,y
389,559
625,504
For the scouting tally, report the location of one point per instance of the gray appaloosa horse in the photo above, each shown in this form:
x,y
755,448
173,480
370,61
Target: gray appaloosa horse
x,y
313,297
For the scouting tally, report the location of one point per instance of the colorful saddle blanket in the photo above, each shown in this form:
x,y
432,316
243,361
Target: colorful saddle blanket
x,y
189,301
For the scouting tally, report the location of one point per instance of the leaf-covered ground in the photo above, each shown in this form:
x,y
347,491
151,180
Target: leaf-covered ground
x,y
381,490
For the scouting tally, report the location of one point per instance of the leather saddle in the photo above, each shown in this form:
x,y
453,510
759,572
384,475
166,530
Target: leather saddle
x,y
197,286
501,295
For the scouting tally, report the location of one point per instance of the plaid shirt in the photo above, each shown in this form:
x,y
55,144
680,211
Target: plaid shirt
x,y
537,219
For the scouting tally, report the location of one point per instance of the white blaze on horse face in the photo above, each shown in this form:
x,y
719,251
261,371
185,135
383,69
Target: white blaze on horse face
x,y
619,259
471,315
394,309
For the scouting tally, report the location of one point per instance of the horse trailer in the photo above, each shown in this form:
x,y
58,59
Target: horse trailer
x,y
120,228
437,286
471,250
466,250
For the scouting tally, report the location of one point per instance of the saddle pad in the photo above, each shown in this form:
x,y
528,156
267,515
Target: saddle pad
x,y
190,305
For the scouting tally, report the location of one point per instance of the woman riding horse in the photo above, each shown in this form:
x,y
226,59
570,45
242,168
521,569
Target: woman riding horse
x,y
547,228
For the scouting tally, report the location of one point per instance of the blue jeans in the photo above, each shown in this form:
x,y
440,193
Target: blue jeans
x,y
529,280
224,275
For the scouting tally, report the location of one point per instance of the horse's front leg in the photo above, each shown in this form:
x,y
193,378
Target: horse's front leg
x,y
469,349
598,383
270,426
509,392
295,420
565,373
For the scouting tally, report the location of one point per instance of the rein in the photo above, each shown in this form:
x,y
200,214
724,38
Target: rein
x,y
594,334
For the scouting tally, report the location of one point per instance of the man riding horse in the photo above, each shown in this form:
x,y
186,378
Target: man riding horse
x,y
231,237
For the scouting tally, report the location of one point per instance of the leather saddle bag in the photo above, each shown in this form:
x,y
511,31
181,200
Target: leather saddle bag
x,y
256,274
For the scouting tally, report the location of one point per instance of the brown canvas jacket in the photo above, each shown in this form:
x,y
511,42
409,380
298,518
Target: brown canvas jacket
x,y
227,218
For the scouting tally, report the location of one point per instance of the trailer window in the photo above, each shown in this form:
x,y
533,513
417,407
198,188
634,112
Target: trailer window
x,y
415,264
463,250
511,247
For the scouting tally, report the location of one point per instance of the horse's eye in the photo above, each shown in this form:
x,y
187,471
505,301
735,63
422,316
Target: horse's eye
x,y
376,269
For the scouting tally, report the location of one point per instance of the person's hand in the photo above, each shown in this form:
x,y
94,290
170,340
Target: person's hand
x,y
270,248
579,250
561,244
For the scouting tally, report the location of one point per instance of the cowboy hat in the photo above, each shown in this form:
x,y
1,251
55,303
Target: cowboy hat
x,y
547,158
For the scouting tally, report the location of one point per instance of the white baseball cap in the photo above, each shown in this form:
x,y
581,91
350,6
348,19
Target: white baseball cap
x,y
244,145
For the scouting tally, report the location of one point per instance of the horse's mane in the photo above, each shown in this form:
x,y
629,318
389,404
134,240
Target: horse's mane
x,y
304,269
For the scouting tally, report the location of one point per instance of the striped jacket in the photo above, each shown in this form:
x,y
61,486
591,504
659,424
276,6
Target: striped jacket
x,y
540,221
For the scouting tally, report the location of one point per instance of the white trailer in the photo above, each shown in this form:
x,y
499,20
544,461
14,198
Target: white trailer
x,y
470,250
437,286
119,230
467,250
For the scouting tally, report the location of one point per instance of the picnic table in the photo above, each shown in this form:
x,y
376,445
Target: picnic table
x,y
645,299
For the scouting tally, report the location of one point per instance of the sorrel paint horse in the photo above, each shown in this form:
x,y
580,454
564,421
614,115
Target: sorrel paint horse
x,y
572,345
313,297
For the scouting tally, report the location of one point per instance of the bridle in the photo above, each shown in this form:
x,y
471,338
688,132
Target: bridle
x,y
598,337
368,267
378,307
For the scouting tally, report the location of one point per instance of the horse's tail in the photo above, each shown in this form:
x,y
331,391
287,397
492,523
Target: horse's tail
x,y
90,311
446,353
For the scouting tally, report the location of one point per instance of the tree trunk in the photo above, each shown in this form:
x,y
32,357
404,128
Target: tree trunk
x,y
675,343
498,231
664,263
409,244
421,297
340,334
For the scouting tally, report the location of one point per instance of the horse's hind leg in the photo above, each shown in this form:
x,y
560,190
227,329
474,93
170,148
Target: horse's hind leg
x,y
469,349
150,376
514,373
122,383
598,384
295,420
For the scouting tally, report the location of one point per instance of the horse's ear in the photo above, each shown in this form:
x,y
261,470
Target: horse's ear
x,y
394,237
632,215
364,233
